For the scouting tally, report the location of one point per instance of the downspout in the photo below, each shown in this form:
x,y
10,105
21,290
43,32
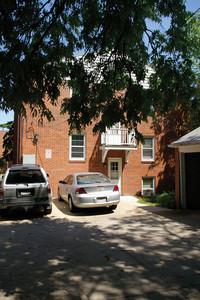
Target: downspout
x,y
18,123
182,181
22,139
28,137
34,138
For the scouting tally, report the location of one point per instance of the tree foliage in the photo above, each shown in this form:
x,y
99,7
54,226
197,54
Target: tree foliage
x,y
8,141
194,106
39,40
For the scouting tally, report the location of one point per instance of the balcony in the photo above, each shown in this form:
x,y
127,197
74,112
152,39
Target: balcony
x,y
118,139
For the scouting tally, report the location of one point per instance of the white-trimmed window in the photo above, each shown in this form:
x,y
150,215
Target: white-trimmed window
x,y
77,147
148,186
148,149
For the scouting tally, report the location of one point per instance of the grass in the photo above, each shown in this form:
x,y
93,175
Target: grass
x,y
166,200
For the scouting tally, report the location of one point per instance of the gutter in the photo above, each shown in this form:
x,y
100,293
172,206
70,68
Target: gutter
x,y
183,144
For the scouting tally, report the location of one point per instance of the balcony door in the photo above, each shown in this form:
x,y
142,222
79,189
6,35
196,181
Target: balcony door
x,y
114,134
115,171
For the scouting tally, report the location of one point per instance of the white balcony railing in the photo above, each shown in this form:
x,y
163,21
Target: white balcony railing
x,y
118,137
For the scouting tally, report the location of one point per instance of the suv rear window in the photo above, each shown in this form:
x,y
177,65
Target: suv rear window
x,y
25,176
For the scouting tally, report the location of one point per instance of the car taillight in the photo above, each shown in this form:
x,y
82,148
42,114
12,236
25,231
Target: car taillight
x,y
1,193
116,188
48,189
80,191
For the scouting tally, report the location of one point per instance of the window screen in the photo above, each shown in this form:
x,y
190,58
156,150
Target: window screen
x,y
148,149
77,147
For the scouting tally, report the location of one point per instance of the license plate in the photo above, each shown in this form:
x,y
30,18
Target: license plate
x,y
101,200
25,192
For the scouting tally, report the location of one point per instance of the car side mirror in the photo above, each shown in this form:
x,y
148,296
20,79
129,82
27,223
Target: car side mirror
x,y
48,175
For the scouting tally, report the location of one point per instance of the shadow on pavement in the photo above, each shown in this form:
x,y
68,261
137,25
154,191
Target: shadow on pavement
x,y
64,208
188,217
135,257
19,213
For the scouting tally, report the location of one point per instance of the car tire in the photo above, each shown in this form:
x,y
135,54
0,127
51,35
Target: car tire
x,y
72,208
47,210
59,197
4,212
113,207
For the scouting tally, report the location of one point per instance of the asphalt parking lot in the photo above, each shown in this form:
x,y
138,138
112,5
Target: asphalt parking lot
x,y
135,252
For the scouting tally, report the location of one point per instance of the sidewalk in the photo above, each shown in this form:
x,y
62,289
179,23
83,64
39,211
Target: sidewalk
x,y
134,201
188,217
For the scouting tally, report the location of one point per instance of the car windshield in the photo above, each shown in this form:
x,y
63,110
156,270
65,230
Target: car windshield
x,y
91,178
25,176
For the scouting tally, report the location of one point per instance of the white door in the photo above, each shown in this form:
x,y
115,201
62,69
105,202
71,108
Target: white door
x,y
114,135
115,171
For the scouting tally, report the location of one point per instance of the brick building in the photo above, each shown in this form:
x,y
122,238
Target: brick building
x,y
136,168
2,133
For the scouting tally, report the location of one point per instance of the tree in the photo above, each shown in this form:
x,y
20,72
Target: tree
x,y
8,141
39,40
194,106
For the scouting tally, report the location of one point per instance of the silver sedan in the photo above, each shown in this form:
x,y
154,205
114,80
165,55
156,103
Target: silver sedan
x,y
83,190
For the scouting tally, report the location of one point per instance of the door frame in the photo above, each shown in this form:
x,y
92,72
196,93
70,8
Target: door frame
x,y
119,160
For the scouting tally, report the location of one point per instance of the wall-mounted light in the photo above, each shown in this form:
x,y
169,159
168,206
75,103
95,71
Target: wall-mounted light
x,y
36,136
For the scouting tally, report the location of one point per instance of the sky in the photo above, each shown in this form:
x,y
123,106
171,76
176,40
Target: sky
x,y
191,5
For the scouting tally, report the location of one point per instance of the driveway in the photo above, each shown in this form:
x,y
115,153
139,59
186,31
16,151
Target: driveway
x,y
135,252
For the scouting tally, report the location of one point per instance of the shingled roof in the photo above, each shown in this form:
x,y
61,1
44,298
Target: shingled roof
x,y
191,138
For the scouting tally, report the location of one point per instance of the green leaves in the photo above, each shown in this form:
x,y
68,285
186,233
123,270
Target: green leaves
x,y
120,40
8,141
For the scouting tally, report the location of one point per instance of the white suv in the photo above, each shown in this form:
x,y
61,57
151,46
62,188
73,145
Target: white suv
x,y
26,186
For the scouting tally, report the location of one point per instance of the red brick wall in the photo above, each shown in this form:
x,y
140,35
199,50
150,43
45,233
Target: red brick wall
x,y
17,138
2,133
55,136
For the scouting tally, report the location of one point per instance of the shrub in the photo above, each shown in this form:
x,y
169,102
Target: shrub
x,y
166,200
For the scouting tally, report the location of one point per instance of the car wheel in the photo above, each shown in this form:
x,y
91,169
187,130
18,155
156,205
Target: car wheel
x,y
72,208
47,210
59,197
113,207
4,212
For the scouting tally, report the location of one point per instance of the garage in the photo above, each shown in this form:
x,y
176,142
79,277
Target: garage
x,y
187,170
192,166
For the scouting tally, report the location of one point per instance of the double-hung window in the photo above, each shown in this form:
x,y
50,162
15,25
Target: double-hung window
x,y
77,147
148,149
148,186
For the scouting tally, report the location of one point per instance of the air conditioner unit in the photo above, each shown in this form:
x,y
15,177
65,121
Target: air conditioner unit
x,y
147,193
28,159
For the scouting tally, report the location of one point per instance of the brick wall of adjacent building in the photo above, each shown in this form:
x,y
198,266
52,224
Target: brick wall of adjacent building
x,y
54,137
2,133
